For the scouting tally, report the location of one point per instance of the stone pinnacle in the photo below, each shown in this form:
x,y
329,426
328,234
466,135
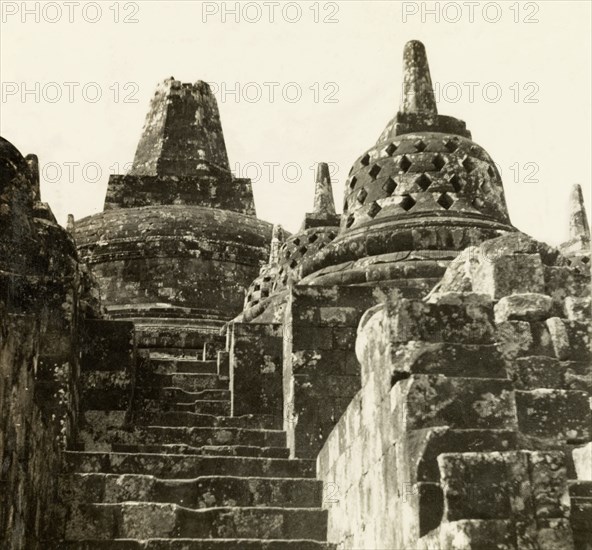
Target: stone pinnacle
x,y
277,239
578,222
324,203
182,131
418,94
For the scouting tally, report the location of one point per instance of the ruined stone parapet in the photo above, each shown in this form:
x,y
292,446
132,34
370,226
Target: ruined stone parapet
x,y
482,396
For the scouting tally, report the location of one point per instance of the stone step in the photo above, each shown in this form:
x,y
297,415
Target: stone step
x,y
184,381
177,466
175,365
202,492
193,544
177,395
215,407
149,520
208,450
169,336
195,437
188,419
180,352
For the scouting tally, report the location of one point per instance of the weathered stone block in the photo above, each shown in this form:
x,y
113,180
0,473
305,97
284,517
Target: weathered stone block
x,y
582,458
457,360
578,309
554,414
417,320
424,446
477,534
523,307
529,373
548,484
423,401
107,345
562,281
485,485
502,275
256,369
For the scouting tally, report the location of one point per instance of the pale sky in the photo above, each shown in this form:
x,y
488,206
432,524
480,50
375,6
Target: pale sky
x,y
335,83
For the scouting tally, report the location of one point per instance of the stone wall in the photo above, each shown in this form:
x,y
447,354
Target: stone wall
x,y
256,369
44,296
321,372
474,414
30,441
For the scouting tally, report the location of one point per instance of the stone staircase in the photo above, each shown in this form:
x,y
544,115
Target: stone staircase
x,y
184,474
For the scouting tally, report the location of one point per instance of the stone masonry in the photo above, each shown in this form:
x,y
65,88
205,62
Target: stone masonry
x,y
177,374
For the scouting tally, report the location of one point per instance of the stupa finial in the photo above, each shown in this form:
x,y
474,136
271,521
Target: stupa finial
x,y
418,94
277,239
578,222
324,204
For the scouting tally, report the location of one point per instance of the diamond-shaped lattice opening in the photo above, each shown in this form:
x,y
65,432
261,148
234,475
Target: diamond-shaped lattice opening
x,y
287,255
331,236
455,182
350,220
353,182
424,181
362,196
257,287
439,161
419,146
491,172
302,250
293,264
584,259
389,186
469,164
451,145
407,202
312,238
345,205
296,241
374,171
404,163
390,149
266,279
374,209
445,201
265,293
365,160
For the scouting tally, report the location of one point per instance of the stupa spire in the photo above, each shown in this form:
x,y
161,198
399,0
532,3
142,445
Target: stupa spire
x,y
418,111
578,222
277,239
418,93
324,203
182,131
